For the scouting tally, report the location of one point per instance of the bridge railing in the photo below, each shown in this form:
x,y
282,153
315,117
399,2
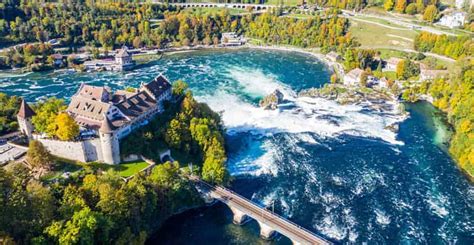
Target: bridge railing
x,y
273,213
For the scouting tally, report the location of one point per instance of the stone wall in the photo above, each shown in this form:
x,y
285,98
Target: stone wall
x,y
84,151
93,150
66,149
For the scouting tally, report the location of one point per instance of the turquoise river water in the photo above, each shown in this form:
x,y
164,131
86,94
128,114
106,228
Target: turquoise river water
x,y
331,168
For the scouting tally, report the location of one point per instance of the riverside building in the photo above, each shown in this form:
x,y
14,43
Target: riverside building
x,y
104,117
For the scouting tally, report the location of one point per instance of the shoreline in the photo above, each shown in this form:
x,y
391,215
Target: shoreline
x,y
330,64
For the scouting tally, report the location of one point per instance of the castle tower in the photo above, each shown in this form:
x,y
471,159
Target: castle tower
x,y
109,142
24,119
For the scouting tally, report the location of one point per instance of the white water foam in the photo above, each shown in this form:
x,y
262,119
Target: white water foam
x,y
381,217
256,83
304,116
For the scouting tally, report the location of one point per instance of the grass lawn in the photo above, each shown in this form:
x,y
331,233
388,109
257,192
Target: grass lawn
x,y
62,166
124,169
375,36
391,75
387,53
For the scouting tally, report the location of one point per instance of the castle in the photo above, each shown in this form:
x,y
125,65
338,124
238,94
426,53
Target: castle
x,y
104,119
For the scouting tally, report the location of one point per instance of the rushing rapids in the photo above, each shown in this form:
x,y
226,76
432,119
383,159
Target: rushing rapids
x,y
335,169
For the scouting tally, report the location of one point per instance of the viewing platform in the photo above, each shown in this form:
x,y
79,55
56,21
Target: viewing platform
x,y
269,222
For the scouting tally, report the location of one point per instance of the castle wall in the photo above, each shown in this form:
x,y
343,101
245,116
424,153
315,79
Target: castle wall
x,y
84,151
66,149
93,150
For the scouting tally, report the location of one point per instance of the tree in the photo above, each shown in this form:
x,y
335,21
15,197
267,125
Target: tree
x,y
334,78
66,127
406,69
179,87
401,5
84,226
388,5
45,118
38,156
430,13
411,9
363,79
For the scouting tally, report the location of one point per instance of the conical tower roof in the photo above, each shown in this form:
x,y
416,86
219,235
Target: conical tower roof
x,y
25,110
106,126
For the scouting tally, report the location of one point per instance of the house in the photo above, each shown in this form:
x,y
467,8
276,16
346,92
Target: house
x,y
333,56
453,20
122,62
432,74
352,78
391,64
380,84
104,118
232,39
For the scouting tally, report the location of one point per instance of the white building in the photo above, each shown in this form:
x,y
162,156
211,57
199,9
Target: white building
x,y
453,20
232,39
391,64
352,78
104,119
122,62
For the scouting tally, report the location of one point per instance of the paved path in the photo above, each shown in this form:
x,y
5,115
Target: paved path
x,y
283,226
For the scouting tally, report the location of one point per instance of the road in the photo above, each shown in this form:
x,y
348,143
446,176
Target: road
x,y
283,226
394,20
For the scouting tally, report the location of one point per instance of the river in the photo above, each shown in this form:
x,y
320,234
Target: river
x,y
331,168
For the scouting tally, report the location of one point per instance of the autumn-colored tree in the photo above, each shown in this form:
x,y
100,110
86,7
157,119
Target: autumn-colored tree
x,y
388,5
430,13
334,78
44,120
401,5
406,69
66,127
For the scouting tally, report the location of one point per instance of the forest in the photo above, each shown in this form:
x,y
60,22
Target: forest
x,y
94,208
454,47
9,106
112,25
455,96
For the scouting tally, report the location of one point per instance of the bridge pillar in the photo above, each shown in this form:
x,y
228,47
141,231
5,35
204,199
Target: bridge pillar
x,y
266,232
240,217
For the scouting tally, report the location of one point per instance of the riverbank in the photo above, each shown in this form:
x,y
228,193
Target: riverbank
x,y
334,66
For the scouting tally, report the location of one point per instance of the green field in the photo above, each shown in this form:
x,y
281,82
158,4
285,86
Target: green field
x,y
376,36
124,169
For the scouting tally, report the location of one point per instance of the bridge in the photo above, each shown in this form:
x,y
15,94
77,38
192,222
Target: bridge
x,y
269,222
257,7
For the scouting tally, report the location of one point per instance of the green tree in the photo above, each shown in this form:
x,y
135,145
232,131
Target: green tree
x,y
179,87
411,9
38,156
83,228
